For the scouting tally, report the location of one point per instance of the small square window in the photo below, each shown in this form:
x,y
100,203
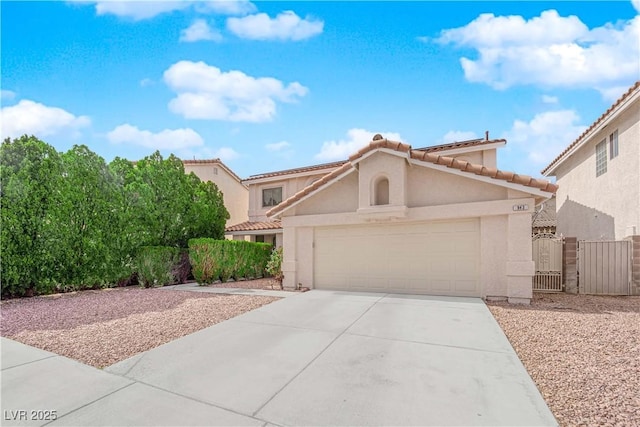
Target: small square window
x,y
271,196
613,144
215,171
601,157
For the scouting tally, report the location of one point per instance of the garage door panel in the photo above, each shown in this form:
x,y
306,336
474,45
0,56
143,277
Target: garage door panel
x,y
432,258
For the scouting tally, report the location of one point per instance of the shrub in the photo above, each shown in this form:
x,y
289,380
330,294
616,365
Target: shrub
x,y
156,265
274,266
213,260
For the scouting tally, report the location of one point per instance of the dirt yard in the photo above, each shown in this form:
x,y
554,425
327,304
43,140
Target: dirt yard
x,y
102,327
583,352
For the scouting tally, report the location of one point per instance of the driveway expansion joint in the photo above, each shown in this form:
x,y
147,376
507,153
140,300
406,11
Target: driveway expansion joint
x,y
33,361
90,403
316,356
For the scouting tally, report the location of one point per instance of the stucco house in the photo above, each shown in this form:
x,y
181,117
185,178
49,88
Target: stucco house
x,y
269,189
599,175
235,193
419,221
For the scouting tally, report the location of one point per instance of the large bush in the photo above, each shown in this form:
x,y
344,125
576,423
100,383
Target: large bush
x,y
70,221
30,182
213,260
157,265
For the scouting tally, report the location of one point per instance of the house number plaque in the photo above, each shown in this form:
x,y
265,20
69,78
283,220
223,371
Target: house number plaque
x,y
520,207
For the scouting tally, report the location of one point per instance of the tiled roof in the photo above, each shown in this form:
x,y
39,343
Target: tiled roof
x,y
627,94
449,162
211,162
460,144
433,148
297,170
255,226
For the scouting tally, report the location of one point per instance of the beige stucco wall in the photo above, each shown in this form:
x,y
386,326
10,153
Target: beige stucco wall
x,y
235,195
427,188
290,186
605,207
505,235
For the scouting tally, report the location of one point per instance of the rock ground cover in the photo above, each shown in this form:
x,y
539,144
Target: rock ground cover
x,y
102,327
583,352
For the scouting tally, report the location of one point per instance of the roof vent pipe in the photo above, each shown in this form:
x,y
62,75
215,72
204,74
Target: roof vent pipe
x,y
486,135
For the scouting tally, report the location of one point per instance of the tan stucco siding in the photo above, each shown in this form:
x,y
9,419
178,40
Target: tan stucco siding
x,y
235,195
429,187
607,206
290,186
342,196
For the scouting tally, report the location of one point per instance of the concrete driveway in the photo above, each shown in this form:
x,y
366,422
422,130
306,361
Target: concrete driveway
x,y
318,358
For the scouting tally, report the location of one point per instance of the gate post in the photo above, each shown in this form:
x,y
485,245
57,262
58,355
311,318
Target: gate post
x,y
635,265
570,264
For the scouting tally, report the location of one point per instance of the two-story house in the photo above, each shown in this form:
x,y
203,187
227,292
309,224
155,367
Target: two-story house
x,y
268,190
235,193
599,175
393,219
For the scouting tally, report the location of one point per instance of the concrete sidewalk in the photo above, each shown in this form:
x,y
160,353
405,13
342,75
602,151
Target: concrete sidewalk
x,y
318,358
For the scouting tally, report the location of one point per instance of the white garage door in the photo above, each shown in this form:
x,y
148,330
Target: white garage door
x,y
436,258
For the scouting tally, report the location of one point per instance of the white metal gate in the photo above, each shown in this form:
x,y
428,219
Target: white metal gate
x,y
604,267
547,255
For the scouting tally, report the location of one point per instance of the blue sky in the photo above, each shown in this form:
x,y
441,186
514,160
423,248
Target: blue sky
x,y
273,85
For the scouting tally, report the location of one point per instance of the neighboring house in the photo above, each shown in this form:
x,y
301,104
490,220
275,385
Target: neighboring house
x,y
419,221
599,175
270,189
543,220
235,193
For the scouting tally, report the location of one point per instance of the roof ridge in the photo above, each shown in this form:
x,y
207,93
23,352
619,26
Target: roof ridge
x,y
449,162
215,161
603,116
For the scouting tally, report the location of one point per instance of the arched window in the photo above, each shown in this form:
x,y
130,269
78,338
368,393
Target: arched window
x,y
381,191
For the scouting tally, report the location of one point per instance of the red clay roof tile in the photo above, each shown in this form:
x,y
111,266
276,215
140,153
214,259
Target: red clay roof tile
x,y
449,162
255,226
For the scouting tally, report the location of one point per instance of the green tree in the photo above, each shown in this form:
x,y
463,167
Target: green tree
x,y
30,178
87,221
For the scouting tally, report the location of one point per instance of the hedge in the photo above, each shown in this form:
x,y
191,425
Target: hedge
x,y
213,260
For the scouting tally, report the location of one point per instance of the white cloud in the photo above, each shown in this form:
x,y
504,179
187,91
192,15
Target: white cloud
x,y
227,7
636,5
547,99
356,139
200,30
549,51
206,92
140,9
146,82
278,146
226,154
7,94
545,136
457,136
286,26
168,139
33,118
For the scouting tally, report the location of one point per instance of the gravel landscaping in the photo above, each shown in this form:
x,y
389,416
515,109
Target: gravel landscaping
x,y
265,283
583,352
102,327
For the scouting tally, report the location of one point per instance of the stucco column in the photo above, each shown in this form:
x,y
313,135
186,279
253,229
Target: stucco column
x,y
289,257
520,265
